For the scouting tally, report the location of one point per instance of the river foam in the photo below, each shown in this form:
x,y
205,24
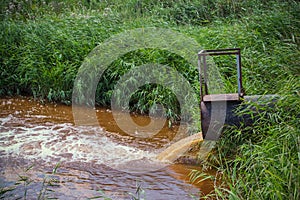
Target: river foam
x,y
65,142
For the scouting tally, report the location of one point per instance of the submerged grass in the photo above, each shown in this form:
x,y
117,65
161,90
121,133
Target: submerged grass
x,y
43,43
22,188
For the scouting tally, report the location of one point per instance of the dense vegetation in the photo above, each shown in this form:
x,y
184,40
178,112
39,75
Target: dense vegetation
x,y
43,43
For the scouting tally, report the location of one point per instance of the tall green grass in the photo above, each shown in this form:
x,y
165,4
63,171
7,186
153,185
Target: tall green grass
x,y
43,43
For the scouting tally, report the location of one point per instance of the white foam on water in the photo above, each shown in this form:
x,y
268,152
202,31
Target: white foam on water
x,y
64,142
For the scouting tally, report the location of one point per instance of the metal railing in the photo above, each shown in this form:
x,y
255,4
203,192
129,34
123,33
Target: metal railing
x,y
202,67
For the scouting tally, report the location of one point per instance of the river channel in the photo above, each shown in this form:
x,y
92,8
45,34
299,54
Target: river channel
x,y
49,156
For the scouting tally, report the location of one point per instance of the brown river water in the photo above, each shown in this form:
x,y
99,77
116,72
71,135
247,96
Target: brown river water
x,y
36,137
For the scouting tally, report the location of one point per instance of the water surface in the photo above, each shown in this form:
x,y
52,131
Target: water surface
x,y
35,137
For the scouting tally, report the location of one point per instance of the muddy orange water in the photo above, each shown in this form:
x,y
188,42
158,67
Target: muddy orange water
x,y
35,137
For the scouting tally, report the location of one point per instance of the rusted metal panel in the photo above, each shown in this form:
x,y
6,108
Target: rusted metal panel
x,y
217,109
231,117
221,97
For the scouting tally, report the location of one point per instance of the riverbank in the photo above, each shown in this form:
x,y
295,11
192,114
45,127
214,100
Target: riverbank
x,y
43,45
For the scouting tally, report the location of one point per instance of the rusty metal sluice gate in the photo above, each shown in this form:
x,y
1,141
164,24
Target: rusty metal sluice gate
x,y
218,109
